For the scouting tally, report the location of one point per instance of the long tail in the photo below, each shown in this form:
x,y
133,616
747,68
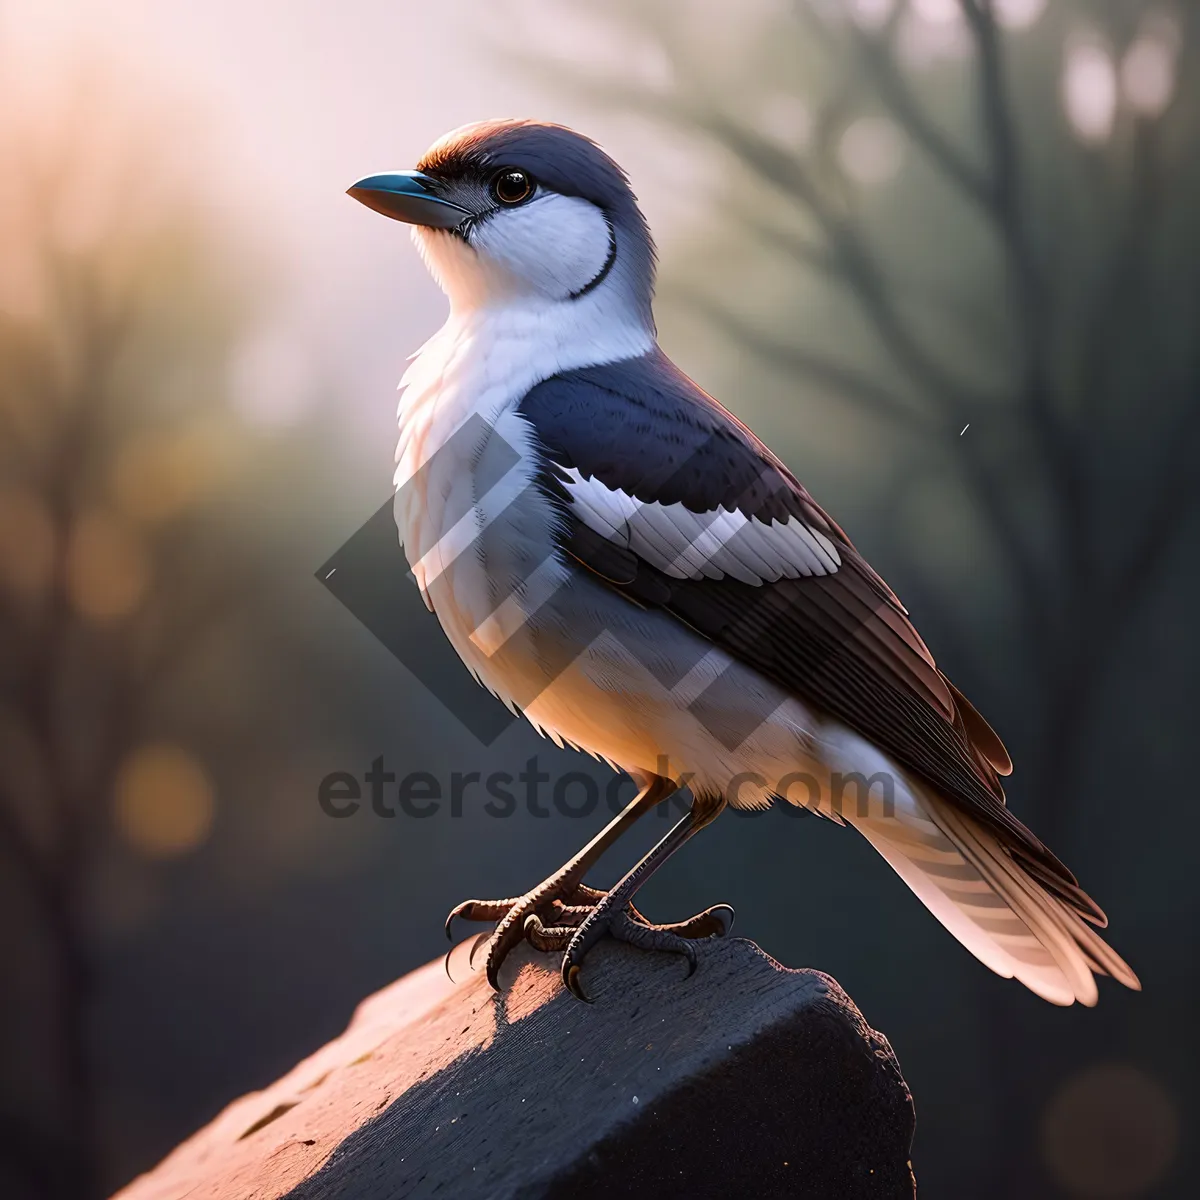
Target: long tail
x,y
990,902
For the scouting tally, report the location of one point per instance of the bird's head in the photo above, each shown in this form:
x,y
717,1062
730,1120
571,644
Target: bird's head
x,y
512,211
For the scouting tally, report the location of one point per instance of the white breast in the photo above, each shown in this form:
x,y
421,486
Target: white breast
x,y
476,531
485,560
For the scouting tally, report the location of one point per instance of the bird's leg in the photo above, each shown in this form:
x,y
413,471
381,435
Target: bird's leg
x,y
612,913
563,885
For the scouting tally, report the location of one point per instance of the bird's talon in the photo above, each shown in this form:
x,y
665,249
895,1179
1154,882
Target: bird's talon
x,y
725,914
521,919
559,916
479,940
571,973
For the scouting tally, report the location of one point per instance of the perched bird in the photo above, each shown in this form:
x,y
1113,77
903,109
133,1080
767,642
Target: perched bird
x,y
616,556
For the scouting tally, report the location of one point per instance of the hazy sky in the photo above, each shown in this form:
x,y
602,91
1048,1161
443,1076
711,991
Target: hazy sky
x,y
290,102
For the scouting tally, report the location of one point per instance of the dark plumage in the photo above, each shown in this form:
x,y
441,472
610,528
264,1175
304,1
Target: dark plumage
x,y
841,641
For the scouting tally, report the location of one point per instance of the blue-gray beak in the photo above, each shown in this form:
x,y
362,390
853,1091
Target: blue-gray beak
x,y
408,196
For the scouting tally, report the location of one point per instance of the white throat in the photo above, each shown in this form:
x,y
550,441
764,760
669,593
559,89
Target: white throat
x,y
500,340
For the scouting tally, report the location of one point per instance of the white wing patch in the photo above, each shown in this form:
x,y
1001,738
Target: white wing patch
x,y
707,545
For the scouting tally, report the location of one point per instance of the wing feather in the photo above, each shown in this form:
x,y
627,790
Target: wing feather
x,y
694,515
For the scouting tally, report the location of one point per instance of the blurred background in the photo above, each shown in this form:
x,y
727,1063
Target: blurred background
x,y
943,255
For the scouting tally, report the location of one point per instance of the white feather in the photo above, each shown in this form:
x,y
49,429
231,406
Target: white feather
x,y
702,545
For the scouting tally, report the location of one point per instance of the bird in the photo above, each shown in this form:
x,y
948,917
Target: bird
x,y
623,562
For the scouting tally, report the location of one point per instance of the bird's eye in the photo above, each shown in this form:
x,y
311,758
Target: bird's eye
x,y
512,186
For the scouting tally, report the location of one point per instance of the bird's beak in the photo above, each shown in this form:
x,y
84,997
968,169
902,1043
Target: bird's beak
x,y
408,196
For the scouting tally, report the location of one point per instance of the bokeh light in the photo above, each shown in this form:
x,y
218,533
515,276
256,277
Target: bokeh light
x,y
787,119
163,803
932,31
1148,67
870,150
938,12
1018,14
1089,88
871,14
157,475
108,568
1110,1133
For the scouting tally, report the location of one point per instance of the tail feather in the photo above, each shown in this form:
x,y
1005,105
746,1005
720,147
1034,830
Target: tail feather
x,y
990,902
1045,939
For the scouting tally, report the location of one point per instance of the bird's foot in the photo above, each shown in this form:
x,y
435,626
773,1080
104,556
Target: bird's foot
x,y
560,897
560,914
626,924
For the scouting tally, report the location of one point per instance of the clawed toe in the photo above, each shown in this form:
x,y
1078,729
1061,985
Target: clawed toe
x,y
712,922
547,938
479,910
570,976
546,917
622,927
653,937
572,918
627,925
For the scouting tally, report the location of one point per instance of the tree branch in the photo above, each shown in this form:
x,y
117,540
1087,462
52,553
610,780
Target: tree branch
x,y
857,387
847,247
903,105
1104,330
851,253
1168,516
807,253
1029,292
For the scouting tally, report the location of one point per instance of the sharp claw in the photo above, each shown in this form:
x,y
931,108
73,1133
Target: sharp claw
x,y
720,910
571,974
480,938
690,955
512,928
446,964
493,974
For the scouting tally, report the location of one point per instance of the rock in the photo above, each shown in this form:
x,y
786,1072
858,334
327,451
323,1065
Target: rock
x,y
747,1079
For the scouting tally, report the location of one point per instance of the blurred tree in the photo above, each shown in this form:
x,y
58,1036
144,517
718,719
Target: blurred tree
x,y
972,224
120,316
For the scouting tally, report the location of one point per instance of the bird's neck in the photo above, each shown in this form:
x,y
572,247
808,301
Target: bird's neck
x,y
492,305
487,357
559,334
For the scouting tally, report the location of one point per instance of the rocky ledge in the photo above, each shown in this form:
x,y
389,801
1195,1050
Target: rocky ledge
x,y
748,1079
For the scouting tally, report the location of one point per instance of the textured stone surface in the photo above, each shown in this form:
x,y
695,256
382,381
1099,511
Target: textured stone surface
x,y
747,1079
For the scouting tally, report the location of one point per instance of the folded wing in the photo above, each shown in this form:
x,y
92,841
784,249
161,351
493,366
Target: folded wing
x,y
677,505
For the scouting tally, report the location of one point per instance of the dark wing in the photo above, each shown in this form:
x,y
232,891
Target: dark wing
x,y
677,505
